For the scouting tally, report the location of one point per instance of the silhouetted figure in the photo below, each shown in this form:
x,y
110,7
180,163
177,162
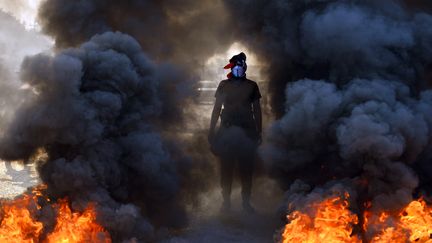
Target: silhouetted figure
x,y
239,134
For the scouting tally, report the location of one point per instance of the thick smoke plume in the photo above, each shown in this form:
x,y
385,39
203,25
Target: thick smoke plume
x,y
371,131
335,41
96,113
348,82
109,117
187,32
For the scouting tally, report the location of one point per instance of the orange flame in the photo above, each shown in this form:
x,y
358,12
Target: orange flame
x,y
413,224
418,220
18,222
75,227
331,222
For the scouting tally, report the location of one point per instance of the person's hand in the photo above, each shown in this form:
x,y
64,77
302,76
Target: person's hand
x,y
211,139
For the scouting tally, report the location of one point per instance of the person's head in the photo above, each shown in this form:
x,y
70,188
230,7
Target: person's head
x,y
238,66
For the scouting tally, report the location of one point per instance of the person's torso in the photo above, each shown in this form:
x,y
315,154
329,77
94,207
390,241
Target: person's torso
x,y
238,96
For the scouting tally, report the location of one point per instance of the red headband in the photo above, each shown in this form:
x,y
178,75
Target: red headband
x,y
229,66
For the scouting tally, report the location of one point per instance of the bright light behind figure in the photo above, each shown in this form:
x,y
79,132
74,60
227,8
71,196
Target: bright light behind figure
x,y
23,10
213,69
212,73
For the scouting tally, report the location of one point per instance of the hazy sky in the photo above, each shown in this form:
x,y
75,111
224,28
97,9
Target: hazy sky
x,y
24,10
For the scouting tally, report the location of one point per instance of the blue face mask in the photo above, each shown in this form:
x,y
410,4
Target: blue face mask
x,y
238,71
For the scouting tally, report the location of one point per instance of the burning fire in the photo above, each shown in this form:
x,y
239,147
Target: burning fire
x,y
331,221
413,224
75,227
19,222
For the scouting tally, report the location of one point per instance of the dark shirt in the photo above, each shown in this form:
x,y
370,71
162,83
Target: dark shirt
x,y
237,96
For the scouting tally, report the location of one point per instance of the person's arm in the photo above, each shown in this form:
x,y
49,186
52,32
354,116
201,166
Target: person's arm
x,y
214,118
256,105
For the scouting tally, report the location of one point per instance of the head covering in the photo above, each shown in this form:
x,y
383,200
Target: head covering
x,y
236,60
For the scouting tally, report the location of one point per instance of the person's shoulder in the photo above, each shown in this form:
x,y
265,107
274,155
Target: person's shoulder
x,y
223,82
251,82
222,85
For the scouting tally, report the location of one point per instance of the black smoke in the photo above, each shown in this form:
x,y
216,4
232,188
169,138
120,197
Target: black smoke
x,y
335,41
183,33
187,32
97,112
112,119
349,84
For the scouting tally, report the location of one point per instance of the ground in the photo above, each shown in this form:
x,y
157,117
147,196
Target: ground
x,y
207,223
15,178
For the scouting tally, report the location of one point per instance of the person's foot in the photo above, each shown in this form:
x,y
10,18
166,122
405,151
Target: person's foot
x,y
247,207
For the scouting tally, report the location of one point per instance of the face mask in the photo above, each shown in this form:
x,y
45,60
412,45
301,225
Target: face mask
x,y
238,71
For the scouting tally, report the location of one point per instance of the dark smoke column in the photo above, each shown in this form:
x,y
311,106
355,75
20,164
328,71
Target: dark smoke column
x,y
349,83
335,41
186,32
104,110
97,112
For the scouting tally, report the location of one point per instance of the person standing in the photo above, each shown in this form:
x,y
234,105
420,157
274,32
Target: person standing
x,y
236,141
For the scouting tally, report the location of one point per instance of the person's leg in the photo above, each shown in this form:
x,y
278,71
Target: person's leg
x,y
227,169
246,168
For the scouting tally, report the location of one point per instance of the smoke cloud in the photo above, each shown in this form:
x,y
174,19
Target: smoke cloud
x,y
97,112
187,32
348,81
370,130
111,118
335,41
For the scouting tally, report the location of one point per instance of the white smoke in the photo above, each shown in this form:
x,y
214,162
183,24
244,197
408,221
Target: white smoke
x,y
25,11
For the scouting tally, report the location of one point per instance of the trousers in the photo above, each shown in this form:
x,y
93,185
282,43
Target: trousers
x,y
245,165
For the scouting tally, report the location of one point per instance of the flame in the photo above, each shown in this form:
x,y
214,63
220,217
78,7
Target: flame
x,y
390,234
418,220
413,224
19,222
75,227
331,222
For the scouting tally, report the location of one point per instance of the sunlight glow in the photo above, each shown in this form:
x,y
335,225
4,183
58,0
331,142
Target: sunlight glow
x,y
25,11
213,69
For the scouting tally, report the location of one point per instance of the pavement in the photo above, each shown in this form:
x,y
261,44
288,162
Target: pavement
x,y
15,178
207,224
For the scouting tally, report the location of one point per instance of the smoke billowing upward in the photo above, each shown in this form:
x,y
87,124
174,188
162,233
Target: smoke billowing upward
x,y
108,107
371,130
96,113
348,81
335,41
187,32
